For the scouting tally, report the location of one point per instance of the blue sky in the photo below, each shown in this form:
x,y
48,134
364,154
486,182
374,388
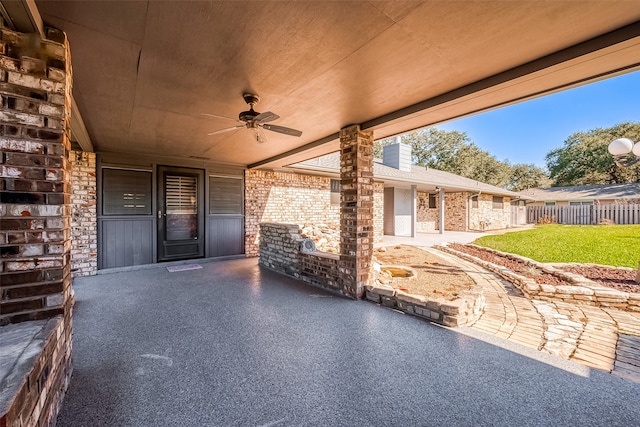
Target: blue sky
x,y
526,132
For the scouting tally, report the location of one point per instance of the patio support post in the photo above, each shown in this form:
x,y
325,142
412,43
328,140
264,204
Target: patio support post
x,y
414,213
356,210
441,191
35,218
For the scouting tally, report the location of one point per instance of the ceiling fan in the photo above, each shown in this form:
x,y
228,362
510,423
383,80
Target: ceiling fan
x,y
253,120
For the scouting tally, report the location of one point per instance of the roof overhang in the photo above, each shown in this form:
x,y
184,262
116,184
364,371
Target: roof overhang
x,y
144,72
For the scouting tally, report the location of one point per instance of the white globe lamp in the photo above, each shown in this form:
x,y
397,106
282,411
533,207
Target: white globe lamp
x,y
620,146
625,153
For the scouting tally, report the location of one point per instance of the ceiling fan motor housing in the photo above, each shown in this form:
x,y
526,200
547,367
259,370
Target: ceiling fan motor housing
x,y
251,99
248,116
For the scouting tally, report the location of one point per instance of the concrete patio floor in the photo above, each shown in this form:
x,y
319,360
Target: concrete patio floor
x,y
235,345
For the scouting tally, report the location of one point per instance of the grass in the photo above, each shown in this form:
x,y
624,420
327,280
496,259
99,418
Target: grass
x,y
616,245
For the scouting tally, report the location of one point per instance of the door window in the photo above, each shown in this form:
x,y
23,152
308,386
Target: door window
x,y
181,207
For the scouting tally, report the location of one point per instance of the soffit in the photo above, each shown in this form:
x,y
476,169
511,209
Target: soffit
x,y
145,71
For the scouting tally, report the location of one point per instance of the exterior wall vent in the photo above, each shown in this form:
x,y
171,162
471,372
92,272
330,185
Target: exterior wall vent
x,y
397,156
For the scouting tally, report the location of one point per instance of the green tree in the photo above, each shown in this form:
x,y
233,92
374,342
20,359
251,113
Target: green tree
x,y
584,159
525,176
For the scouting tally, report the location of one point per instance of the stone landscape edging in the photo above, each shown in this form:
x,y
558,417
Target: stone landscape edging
x,y
581,290
464,310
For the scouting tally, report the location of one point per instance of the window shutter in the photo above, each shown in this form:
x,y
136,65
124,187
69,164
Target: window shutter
x,y
226,195
126,192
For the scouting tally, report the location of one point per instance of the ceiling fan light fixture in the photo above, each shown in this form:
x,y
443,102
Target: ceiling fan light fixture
x,y
252,119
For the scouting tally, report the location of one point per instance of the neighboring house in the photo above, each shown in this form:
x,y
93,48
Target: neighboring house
x,y
412,195
584,195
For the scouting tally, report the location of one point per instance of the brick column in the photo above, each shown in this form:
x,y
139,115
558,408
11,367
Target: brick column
x,y
35,239
356,210
35,87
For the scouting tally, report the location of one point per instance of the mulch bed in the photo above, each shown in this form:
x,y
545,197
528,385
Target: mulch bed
x,y
610,277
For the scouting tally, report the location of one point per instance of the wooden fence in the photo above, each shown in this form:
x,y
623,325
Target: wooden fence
x,y
585,214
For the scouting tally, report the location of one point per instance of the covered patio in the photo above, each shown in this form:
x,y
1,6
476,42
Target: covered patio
x,y
109,158
232,344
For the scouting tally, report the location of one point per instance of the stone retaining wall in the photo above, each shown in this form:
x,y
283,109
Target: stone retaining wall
x,y
280,247
581,290
280,251
464,310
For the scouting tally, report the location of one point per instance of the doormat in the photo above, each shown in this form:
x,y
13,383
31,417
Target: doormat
x,y
184,267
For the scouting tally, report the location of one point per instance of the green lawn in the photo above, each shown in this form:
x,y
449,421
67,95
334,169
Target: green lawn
x,y
617,245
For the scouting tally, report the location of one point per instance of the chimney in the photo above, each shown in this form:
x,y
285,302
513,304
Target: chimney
x,y
397,155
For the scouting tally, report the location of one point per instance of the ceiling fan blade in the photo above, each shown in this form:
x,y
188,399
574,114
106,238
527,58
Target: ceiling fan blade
x,y
260,136
226,129
215,116
282,129
266,117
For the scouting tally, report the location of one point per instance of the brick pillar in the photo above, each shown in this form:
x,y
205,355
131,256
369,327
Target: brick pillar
x,y
35,239
35,112
356,210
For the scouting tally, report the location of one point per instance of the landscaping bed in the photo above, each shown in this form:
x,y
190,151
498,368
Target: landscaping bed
x,y
575,283
517,266
434,277
435,289
622,279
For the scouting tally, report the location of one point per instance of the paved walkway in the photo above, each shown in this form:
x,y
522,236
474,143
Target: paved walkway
x,y
232,344
435,238
601,338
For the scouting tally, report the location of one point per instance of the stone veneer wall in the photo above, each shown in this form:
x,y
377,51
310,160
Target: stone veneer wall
x,y
426,218
84,232
455,212
287,197
35,238
485,214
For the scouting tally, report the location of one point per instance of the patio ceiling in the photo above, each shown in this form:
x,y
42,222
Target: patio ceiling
x,y
145,71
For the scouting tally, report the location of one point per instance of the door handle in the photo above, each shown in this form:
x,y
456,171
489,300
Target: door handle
x,y
159,214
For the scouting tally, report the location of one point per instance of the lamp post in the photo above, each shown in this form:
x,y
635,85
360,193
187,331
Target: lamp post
x,y
621,149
